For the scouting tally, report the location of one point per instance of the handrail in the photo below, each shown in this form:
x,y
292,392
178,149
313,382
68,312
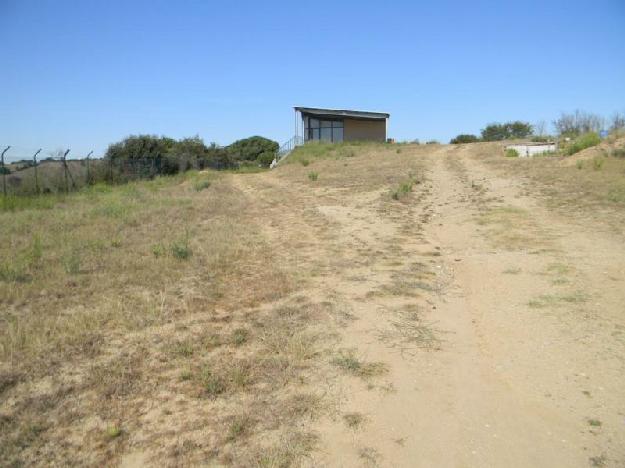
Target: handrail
x,y
287,147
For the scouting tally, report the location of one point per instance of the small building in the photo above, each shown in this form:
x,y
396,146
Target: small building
x,y
527,150
336,125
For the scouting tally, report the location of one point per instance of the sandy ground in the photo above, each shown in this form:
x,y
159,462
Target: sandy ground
x,y
501,323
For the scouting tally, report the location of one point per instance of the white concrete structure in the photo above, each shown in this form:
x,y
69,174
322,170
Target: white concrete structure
x,y
526,150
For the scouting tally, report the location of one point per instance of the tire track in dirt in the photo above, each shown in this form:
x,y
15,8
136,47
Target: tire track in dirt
x,y
476,375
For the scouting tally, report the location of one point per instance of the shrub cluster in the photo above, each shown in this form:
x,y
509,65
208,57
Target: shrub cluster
x,y
179,155
582,142
464,138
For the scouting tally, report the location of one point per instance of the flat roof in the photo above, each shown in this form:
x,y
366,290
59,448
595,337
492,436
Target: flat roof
x,y
368,115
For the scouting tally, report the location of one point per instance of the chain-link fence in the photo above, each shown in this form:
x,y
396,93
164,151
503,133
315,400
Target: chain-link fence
x,y
26,171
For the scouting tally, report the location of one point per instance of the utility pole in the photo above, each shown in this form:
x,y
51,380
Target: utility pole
x,y
35,169
4,174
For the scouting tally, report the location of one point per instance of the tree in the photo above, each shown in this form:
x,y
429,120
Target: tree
x,y
249,149
617,122
574,124
464,138
504,131
539,128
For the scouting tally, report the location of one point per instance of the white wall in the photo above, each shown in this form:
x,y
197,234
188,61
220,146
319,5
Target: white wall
x,y
530,150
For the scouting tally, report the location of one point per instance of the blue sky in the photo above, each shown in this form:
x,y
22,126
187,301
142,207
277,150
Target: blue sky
x,y
83,74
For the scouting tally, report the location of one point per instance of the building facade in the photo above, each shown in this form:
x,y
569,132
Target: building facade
x,y
337,125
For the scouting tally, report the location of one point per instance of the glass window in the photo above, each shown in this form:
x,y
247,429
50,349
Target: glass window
x,y
313,134
337,134
326,130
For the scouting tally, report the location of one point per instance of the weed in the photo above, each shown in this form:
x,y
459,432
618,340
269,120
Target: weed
x,y
238,427
71,261
13,271
579,164
185,375
201,184
240,336
512,271
618,153
547,300
512,153
597,163
404,188
598,461
594,422
159,250
181,249
369,455
353,420
183,348
113,431
214,385
313,176
348,362
617,195
305,162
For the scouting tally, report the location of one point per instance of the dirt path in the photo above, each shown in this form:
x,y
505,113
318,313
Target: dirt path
x,y
500,326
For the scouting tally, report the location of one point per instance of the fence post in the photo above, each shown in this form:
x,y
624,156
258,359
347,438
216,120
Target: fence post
x,y
89,168
4,175
35,169
66,170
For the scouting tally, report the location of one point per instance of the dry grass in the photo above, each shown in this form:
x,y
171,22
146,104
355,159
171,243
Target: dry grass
x,y
164,292
588,186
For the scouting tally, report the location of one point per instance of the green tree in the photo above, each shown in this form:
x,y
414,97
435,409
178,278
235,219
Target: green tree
x,y
504,131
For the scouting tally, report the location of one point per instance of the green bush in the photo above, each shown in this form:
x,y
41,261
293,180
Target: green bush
x,y
582,142
432,142
265,159
313,176
249,149
512,153
464,138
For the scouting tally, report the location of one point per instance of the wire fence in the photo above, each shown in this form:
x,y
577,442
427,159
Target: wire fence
x,y
35,171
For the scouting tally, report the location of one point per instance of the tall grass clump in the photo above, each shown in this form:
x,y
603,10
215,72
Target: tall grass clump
x,y
512,153
313,176
582,142
181,249
201,184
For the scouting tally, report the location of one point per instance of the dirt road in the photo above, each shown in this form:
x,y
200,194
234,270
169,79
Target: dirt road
x,y
500,324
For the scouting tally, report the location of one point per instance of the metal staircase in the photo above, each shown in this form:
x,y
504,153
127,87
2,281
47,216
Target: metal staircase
x,y
287,147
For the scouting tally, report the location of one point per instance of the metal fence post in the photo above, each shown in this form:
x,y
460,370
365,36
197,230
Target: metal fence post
x,y
89,168
35,169
4,170
66,171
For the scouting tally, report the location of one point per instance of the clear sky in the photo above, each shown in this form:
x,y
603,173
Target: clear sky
x,y
83,74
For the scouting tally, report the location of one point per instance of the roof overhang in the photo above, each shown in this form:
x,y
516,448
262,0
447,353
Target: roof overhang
x,y
342,113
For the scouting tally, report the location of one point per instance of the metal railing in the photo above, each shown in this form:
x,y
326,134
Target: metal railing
x,y
289,146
